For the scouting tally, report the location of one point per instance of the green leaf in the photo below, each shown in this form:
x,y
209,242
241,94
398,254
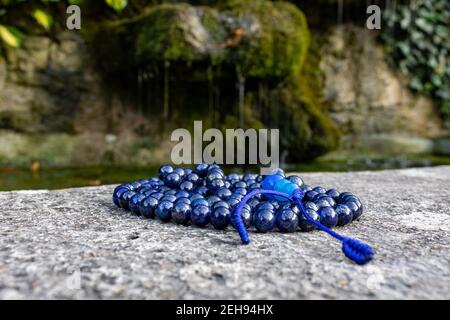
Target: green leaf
x,y
43,18
117,5
11,36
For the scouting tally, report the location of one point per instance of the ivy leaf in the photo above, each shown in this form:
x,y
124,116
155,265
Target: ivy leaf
x,y
117,5
43,18
11,36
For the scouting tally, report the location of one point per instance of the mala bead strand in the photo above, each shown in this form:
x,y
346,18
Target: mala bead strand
x,y
162,197
206,195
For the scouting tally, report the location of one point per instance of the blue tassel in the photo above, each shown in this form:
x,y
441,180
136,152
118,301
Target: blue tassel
x,y
355,250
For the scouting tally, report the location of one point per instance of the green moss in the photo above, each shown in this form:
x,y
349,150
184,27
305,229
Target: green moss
x,y
263,39
177,32
265,42
275,38
307,131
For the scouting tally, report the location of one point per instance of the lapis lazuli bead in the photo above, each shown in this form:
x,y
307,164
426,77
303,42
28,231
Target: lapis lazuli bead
x,y
328,216
183,200
223,193
169,197
286,220
220,203
186,185
201,169
182,194
303,222
212,199
179,171
246,215
203,190
147,207
192,177
181,213
157,195
118,193
320,189
164,170
264,220
172,180
164,210
233,203
199,202
355,209
200,216
345,215
125,198
133,204
322,203
296,180
333,193
220,217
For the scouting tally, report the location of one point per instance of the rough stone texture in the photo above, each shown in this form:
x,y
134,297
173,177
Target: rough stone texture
x,y
370,101
51,239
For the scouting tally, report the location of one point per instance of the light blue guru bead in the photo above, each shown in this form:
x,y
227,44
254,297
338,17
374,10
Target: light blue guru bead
x,y
278,183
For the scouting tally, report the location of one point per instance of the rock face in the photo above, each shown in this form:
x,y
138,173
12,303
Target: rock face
x,y
371,103
237,64
50,99
107,94
76,244
44,84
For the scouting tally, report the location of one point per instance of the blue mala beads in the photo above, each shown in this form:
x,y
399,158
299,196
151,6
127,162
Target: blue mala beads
x,y
206,195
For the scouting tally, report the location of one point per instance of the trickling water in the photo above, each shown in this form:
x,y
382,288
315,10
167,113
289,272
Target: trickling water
x,y
166,90
340,13
241,97
209,74
139,91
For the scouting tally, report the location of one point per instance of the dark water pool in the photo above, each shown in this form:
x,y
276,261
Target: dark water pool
x,y
12,178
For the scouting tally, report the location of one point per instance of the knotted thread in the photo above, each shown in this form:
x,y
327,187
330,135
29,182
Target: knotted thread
x,y
354,249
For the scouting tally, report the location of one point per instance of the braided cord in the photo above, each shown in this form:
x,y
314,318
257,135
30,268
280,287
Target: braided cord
x,y
354,249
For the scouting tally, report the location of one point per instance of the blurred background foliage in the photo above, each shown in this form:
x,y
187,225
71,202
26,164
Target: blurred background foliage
x,y
161,64
417,38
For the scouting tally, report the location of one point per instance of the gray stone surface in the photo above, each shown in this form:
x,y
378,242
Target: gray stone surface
x,y
75,244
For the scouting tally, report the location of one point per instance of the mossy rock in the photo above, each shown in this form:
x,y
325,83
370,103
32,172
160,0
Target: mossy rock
x,y
254,41
275,38
179,33
262,39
